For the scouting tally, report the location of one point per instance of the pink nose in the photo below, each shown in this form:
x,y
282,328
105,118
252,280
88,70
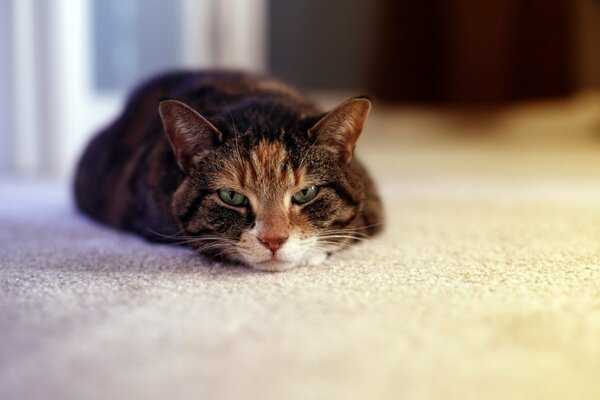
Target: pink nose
x,y
273,242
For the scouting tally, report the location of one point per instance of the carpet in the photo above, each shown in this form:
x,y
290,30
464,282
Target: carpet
x,y
485,284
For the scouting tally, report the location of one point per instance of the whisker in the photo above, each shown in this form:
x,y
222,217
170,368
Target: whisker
x,y
337,245
343,237
349,233
164,235
356,229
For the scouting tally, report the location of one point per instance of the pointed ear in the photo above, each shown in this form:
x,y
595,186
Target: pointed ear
x,y
340,128
190,134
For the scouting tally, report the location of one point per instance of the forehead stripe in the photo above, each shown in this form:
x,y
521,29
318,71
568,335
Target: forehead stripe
x,y
192,207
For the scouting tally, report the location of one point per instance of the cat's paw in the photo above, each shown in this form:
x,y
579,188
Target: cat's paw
x,y
315,259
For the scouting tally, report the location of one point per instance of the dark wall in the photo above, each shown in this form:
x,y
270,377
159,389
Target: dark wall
x,y
472,51
319,44
428,51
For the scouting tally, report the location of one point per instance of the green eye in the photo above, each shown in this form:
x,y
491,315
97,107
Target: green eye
x,y
305,195
233,198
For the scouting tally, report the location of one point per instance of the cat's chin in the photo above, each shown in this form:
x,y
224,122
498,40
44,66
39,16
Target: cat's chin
x,y
274,265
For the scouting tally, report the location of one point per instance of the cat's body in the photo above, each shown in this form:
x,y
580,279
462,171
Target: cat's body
x,y
251,171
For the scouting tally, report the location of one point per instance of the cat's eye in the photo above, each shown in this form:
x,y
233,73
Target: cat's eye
x,y
233,198
305,195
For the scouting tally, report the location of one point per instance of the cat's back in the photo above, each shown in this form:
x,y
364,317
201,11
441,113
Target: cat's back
x,y
210,92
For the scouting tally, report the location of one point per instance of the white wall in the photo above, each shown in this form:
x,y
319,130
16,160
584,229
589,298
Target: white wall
x,y
47,68
6,107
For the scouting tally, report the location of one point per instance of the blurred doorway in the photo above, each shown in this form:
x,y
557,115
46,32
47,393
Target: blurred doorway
x,y
68,64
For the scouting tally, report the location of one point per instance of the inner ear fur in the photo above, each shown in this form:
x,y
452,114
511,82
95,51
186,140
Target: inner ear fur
x,y
190,134
339,129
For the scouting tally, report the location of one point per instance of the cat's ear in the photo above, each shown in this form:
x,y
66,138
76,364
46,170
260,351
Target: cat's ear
x,y
191,135
339,129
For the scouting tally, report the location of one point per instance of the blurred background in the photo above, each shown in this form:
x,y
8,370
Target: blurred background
x,y
484,140
66,65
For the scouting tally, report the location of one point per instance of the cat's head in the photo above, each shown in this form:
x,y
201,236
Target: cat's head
x,y
271,189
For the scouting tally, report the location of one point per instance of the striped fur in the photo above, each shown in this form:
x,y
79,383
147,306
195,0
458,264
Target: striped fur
x,y
160,177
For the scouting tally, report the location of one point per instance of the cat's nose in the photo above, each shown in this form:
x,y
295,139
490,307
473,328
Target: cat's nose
x,y
273,242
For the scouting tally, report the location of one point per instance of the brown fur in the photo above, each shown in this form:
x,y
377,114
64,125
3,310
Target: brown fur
x,y
160,175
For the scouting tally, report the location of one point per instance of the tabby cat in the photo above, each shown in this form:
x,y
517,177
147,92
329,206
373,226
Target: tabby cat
x,y
240,167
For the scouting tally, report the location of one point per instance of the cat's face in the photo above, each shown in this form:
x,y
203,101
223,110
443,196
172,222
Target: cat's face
x,y
272,201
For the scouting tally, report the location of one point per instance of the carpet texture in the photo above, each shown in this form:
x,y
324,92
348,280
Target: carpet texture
x,y
486,283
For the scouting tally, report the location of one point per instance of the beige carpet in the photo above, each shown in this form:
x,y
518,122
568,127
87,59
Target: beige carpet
x,y
486,284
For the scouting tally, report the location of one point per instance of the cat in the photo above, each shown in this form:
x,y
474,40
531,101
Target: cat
x,y
238,166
